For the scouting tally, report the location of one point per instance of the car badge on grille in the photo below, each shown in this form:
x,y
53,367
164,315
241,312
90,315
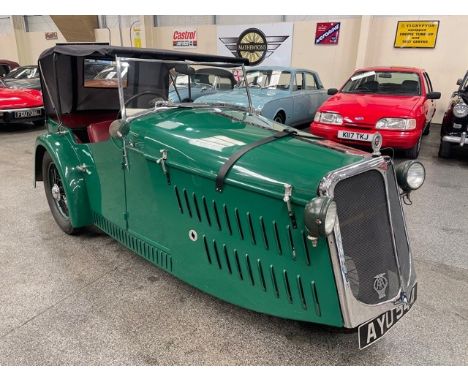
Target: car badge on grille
x,y
359,118
380,285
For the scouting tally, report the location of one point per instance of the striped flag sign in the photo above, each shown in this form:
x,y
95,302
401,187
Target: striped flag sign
x,y
327,33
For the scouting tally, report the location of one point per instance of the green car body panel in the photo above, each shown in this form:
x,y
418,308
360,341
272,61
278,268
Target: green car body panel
x,y
239,244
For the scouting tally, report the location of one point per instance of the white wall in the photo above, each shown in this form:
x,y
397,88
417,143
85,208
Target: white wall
x,y
334,63
8,50
37,44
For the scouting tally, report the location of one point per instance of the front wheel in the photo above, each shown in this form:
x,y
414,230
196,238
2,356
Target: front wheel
x,y
56,195
427,129
413,152
280,118
445,149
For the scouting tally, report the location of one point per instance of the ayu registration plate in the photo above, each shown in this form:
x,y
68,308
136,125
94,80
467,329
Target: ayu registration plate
x,y
27,113
376,328
355,136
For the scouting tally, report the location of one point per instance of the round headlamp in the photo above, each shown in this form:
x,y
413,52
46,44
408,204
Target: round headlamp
x,y
320,216
460,110
410,175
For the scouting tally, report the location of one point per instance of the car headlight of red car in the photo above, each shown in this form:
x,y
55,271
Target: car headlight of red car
x,y
396,124
328,118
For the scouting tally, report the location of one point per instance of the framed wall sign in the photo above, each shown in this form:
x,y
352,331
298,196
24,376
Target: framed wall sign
x,y
416,34
266,44
184,38
327,33
51,35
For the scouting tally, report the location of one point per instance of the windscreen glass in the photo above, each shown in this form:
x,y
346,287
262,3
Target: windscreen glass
x,y
152,84
268,79
385,82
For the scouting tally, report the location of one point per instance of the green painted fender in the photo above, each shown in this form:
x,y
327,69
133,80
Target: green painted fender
x,y
60,148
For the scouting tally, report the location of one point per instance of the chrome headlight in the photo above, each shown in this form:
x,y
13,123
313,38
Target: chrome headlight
x,y
328,118
396,124
410,175
460,110
320,216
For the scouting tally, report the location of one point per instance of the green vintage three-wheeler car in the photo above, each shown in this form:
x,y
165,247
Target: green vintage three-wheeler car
x,y
248,210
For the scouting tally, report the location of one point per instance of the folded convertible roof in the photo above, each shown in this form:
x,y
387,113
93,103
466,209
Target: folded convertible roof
x,y
82,50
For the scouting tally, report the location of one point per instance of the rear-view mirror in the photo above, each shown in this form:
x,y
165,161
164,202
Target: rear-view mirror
x,y
433,95
332,91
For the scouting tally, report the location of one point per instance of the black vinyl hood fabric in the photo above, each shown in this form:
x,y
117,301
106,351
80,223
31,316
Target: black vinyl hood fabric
x,y
82,50
61,72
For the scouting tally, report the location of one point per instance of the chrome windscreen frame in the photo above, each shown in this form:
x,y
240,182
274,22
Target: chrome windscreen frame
x,y
354,311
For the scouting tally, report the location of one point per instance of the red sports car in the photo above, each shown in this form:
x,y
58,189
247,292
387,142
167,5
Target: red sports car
x,y
398,102
20,105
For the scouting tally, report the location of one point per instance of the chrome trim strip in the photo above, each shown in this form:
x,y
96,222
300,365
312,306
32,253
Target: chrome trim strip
x,y
356,312
461,140
123,109
22,109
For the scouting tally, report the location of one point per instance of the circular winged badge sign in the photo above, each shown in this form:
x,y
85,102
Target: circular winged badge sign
x,y
252,44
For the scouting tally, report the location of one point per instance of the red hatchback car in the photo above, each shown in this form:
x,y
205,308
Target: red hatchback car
x,y
21,105
397,102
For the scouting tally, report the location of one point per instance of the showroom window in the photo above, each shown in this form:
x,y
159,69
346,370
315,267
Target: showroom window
x,y
40,24
172,21
112,21
5,25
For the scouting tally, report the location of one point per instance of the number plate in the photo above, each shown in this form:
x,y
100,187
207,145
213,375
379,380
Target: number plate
x,y
355,136
27,113
376,328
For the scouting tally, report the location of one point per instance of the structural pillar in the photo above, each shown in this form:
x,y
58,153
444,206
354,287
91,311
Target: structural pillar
x,y
363,42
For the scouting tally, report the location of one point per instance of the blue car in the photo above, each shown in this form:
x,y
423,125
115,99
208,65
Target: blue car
x,y
203,82
283,94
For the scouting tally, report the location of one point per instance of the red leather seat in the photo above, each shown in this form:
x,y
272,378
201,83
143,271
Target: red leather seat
x,y
99,132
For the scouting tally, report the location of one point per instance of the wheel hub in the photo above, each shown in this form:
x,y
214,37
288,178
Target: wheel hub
x,y
56,192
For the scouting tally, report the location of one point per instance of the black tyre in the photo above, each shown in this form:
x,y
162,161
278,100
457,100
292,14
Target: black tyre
x,y
280,117
413,152
445,150
427,129
39,123
56,196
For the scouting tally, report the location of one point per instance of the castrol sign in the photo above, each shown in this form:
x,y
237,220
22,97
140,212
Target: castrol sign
x,y
184,38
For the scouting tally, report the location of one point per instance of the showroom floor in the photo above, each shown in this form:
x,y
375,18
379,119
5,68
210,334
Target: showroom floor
x,y
86,300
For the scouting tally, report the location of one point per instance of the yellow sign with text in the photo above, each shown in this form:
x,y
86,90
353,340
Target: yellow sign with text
x,y
416,34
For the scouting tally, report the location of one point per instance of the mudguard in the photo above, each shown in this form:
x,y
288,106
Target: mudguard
x,y
60,147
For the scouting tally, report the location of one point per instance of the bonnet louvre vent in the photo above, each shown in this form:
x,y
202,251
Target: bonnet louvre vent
x,y
270,235
245,268
150,252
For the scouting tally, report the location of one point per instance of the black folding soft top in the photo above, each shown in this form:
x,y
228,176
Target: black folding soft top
x,y
81,50
62,74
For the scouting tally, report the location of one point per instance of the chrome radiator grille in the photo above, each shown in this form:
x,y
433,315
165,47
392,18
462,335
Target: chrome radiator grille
x,y
367,236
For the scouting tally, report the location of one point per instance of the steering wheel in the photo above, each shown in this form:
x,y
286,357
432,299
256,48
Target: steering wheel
x,y
158,97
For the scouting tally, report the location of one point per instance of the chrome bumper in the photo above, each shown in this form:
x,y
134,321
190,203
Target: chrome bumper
x,y
461,140
41,108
